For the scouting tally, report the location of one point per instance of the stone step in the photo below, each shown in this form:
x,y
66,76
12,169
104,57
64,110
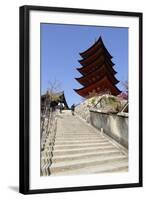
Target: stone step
x,y
87,155
76,131
76,143
108,168
115,169
67,166
73,142
83,150
88,160
78,135
79,139
87,145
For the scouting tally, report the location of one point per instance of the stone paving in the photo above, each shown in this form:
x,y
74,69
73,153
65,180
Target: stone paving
x,y
81,149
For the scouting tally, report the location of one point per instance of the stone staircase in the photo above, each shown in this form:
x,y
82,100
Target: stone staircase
x,y
81,149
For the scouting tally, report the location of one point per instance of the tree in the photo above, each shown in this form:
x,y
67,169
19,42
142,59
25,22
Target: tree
x,y
53,88
51,94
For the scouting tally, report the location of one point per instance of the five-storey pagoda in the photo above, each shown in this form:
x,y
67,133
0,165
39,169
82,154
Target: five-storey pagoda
x,y
98,75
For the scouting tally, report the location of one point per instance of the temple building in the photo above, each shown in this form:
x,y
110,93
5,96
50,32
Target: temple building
x,y
56,98
98,74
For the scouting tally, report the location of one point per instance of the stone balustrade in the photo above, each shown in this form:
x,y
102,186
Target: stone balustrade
x,y
47,142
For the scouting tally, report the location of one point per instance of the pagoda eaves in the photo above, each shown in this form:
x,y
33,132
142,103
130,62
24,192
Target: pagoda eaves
x,y
97,74
97,71
99,43
91,58
98,62
101,86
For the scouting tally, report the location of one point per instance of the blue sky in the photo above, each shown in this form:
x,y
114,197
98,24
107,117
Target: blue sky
x,y
60,48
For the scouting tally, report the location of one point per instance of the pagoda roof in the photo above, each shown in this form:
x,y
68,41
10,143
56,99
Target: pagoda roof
x,y
101,85
84,70
94,57
92,49
97,74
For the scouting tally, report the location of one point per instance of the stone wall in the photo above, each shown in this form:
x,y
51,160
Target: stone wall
x,y
102,115
114,125
83,109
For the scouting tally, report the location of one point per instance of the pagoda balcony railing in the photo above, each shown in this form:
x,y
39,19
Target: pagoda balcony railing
x,y
48,133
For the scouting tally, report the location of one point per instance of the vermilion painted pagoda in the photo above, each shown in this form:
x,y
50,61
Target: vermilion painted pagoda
x,y
98,75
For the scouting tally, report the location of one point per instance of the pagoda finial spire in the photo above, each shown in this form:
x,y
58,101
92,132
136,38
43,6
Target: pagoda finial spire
x,y
100,37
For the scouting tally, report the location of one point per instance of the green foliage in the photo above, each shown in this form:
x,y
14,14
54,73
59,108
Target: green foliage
x,y
111,103
93,101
